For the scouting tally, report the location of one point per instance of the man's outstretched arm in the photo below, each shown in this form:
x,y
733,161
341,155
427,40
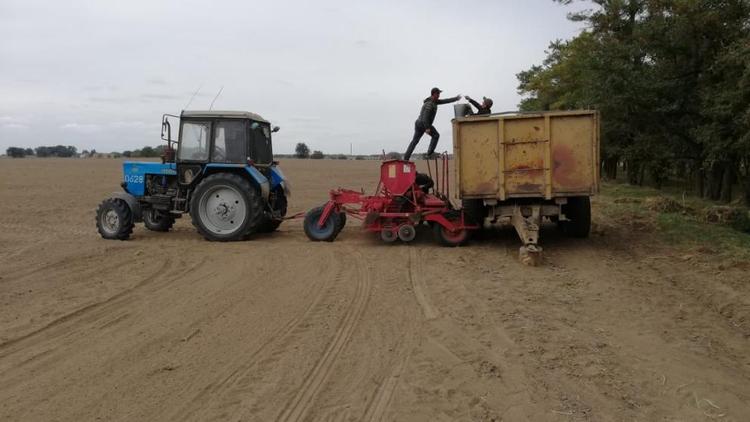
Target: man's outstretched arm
x,y
474,103
449,100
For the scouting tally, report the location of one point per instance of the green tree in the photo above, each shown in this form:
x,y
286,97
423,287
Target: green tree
x,y
15,152
302,150
670,80
148,152
317,155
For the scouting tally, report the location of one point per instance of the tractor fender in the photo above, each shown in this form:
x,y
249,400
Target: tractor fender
x,y
260,180
257,178
133,204
279,180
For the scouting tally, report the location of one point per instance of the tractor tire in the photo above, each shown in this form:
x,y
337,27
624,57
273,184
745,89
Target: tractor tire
x,y
268,224
445,237
226,207
158,221
578,214
114,219
330,229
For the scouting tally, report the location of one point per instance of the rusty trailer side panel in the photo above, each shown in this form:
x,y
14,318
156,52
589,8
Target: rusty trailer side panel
x,y
541,155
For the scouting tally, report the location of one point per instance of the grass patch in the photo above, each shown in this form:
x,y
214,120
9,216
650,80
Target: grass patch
x,y
623,203
685,230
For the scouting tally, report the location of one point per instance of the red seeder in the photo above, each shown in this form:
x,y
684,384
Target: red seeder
x,y
402,201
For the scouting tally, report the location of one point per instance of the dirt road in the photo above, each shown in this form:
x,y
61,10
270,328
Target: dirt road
x,y
167,326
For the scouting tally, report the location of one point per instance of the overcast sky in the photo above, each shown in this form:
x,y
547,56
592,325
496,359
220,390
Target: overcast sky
x,y
99,74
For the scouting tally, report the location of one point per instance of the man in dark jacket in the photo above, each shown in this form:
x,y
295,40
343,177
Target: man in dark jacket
x,y
483,108
424,122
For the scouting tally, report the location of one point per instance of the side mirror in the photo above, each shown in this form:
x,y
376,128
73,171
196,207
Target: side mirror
x,y
275,129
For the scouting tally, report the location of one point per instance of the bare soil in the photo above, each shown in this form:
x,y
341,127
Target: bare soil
x,y
167,326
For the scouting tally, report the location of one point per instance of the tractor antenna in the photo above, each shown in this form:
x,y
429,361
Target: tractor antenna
x,y
217,96
191,98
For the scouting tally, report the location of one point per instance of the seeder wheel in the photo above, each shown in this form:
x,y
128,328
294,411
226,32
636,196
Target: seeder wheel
x,y
388,235
407,233
342,221
448,238
329,230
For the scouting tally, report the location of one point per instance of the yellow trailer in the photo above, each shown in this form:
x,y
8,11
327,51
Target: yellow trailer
x,y
526,166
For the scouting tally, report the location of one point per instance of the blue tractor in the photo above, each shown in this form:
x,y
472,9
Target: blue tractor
x,y
222,173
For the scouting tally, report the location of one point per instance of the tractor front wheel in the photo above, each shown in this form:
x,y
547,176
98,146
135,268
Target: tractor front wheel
x,y
226,207
158,221
325,233
114,219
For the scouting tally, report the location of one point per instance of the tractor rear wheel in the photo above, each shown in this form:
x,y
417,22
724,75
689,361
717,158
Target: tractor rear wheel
x,y
578,214
329,230
114,219
226,207
158,221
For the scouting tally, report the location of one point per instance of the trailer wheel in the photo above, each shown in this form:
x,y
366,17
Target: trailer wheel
x,y
475,211
578,213
158,221
330,229
114,219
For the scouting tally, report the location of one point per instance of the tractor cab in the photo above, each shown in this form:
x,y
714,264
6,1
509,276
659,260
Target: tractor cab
x,y
235,138
229,137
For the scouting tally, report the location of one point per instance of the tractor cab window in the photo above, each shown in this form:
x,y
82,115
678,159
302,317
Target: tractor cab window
x,y
194,140
260,143
230,142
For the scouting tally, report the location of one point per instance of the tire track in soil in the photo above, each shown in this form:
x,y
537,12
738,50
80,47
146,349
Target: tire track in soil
x,y
85,309
418,285
381,401
233,379
82,320
298,407
68,263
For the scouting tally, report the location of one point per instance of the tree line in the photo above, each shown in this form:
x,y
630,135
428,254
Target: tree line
x,y
44,151
671,79
71,151
303,151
